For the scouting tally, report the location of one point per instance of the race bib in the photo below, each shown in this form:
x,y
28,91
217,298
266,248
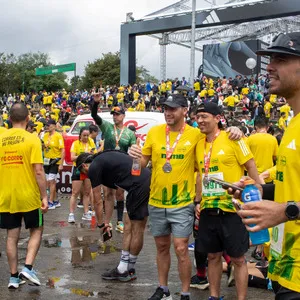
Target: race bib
x,y
213,189
46,161
277,240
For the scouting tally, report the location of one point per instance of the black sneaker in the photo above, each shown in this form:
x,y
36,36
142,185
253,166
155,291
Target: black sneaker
x,y
199,283
132,274
256,254
160,294
80,204
185,297
115,275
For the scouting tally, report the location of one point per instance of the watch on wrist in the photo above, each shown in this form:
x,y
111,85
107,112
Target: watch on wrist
x,y
292,210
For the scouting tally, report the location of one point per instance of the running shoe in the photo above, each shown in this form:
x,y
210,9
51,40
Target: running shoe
x,y
71,218
86,217
120,227
185,297
92,213
132,274
29,275
160,294
80,204
256,254
15,282
115,275
57,204
230,275
199,283
192,247
51,205
215,298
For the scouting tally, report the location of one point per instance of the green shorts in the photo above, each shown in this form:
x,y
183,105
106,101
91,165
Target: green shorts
x,y
178,221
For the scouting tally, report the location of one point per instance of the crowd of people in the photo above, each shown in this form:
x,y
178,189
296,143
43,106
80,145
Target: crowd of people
x,y
224,128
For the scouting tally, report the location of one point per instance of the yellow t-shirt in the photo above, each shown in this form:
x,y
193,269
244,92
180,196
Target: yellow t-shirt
x,y
282,123
19,150
169,85
273,98
263,147
177,188
54,144
211,92
162,87
197,86
120,97
5,116
110,100
284,265
231,101
267,109
56,112
43,112
245,91
2,129
78,148
226,163
136,95
203,93
130,109
210,84
286,109
272,176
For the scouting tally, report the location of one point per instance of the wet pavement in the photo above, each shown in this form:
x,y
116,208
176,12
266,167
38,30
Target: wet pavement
x,y
72,258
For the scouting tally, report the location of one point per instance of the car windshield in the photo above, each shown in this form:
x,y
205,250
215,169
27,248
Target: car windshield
x,y
78,125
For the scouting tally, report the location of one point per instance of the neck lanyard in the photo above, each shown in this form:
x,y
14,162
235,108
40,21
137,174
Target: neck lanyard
x,y
207,157
118,137
86,146
170,151
49,139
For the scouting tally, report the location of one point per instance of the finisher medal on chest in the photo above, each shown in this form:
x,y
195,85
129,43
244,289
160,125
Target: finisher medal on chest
x,y
117,148
167,167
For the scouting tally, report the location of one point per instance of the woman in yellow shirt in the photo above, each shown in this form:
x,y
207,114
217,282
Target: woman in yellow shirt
x,y
83,145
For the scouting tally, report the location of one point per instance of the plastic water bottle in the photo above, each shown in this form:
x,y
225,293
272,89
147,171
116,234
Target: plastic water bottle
x,y
252,194
136,164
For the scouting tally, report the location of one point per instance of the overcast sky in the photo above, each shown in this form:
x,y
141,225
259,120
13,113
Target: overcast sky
x,y
81,30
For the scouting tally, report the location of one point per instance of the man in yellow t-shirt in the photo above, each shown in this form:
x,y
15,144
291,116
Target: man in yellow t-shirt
x,y
220,228
285,109
282,121
231,101
283,213
23,185
171,207
263,145
203,93
54,154
162,87
267,107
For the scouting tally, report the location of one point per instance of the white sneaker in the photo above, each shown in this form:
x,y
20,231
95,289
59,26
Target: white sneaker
x,y
71,218
86,217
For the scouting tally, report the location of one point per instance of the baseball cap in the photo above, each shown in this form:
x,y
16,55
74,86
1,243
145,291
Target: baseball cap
x,y
51,122
118,110
176,100
284,43
31,124
209,107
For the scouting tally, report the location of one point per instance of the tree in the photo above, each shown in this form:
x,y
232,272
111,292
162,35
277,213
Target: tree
x,y
106,71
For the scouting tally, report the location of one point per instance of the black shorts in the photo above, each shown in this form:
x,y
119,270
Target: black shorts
x,y
51,169
32,219
75,174
231,108
283,293
137,202
221,231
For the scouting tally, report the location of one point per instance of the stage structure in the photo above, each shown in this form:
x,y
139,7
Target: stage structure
x,y
237,20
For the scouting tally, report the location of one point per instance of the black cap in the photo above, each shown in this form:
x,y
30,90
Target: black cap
x,y
31,124
117,110
51,122
132,128
176,100
285,43
209,107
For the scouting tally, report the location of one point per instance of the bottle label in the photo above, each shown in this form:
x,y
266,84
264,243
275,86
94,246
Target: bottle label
x,y
277,240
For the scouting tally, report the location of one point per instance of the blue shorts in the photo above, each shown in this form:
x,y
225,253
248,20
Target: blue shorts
x,y
178,221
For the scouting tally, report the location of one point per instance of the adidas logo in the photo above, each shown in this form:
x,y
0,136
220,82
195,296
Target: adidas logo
x,y
221,152
188,143
292,145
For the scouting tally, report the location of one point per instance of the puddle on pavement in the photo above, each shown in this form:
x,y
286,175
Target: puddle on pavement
x,y
62,286
88,225
83,249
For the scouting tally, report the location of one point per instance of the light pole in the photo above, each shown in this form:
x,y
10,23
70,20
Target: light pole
x,y
192,62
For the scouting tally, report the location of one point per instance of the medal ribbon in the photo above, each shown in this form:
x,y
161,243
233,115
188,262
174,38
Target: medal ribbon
x,y
49,140
169,151
86,147
118,137
207,156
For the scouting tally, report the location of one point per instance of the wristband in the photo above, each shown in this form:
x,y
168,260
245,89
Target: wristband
x,y
101,225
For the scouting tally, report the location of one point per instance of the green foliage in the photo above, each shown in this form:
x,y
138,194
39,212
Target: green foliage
x,y
18,74
106,71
